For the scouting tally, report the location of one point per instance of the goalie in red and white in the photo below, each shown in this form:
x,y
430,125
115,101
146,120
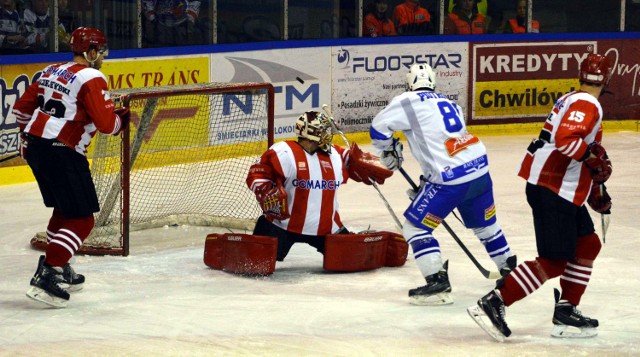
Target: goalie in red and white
x,y
296,184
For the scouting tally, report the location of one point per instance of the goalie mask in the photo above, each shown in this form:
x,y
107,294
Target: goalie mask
x,y
421,76
316,127
595,69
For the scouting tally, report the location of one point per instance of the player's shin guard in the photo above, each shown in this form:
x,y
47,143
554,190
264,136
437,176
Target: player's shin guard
x,y
577,272
426,252
495,243
529,277
68,239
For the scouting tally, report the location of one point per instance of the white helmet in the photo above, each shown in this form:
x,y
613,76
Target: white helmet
x,y
421,76
316,127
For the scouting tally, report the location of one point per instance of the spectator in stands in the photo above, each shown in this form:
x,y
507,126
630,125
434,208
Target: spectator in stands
x,y
412,19
36,21
495,14
465,19
518,24
171,22
632,11
66,24
376,22
482,6
13,34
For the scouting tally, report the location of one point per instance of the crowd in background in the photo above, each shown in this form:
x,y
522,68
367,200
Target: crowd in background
x,y
27,28
32,26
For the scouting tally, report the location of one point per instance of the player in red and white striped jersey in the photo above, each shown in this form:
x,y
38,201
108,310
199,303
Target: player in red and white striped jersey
x,y
296,184
564,167
58,116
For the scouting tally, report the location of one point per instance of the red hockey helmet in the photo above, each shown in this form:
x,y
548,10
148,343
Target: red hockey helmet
x,y
84,38
595,69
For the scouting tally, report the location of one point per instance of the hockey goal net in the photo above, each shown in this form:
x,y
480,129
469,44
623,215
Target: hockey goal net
x,y
183,160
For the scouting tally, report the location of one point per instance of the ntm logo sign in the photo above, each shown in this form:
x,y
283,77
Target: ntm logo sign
x,y
292,96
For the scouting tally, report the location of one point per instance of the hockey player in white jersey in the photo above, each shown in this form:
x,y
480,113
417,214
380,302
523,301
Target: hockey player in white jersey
x,y
455,175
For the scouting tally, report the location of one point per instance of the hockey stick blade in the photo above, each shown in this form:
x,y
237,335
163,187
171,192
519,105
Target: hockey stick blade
x,y
486,273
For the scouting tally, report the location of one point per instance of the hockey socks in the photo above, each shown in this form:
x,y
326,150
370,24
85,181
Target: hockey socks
x,y
68,239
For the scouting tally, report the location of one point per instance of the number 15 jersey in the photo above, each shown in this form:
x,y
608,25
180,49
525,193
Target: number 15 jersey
x,y
437,135
554,160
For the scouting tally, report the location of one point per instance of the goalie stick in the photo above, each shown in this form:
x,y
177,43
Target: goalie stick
x,y
486,273
327,111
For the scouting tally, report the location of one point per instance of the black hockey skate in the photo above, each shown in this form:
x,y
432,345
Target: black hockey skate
x,y
71,281
436,292
568,321
491,307
46,285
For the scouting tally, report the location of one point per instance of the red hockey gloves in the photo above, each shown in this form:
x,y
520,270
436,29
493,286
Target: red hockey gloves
x,y
599,200
273,203
124,114
363,166
599,164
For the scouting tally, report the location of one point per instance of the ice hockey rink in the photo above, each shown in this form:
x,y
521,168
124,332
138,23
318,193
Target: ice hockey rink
x,y
162,300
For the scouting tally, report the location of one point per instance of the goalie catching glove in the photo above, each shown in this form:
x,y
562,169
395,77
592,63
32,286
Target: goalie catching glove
x,y
599,200
392,156
273,202
363,167
599,165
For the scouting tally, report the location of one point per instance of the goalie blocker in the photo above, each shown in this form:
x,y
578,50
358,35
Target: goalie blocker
x,y
256,255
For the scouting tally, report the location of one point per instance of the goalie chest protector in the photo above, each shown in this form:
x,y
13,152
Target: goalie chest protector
x,y
241,253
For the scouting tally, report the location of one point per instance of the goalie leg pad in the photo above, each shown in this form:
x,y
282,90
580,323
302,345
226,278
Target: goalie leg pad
x,y
355,252
397,250
241,253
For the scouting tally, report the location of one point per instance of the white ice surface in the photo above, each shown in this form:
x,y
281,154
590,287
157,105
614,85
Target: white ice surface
x,y
162,300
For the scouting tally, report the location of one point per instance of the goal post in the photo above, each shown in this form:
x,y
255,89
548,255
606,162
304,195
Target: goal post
x,y
183,160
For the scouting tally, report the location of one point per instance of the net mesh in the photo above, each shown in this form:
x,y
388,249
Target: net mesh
x,y
190,148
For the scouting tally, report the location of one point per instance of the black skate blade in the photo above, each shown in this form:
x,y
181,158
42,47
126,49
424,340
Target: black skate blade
x,y
40,295
479,316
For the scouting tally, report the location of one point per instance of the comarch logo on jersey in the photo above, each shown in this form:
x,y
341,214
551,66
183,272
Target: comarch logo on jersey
x,y
316,184
403,62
